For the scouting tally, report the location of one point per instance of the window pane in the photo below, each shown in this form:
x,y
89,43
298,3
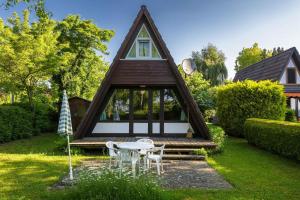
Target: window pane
x,y
132,53
155,53
118,106
140,104
291,75
144,46
143,33
172,108
156,105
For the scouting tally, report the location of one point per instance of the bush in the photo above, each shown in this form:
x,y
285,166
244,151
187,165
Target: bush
x,y
15,123
276,136
241,100
108,186
201,152
290,115
218,137
209,115
45,117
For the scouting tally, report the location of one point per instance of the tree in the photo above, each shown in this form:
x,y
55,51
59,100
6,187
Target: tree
x,y
81,69
211,63
37,5
277,50
199,88
25,53
254,54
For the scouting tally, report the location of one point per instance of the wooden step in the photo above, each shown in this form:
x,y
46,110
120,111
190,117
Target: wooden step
x,y
179,151
182,157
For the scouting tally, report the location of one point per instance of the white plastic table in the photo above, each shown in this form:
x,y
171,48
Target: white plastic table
x,y
135,145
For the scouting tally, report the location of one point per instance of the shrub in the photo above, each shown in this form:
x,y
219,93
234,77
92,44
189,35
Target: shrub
x,y
276,136
108,186
218,137
241,100
209,115
45,117
201,152
290,115
15,123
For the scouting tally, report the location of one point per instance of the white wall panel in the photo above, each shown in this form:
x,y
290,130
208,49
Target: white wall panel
x,y
140,128
107,127
176,127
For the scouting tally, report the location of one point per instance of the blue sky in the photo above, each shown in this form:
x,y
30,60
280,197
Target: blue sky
x,y
188,25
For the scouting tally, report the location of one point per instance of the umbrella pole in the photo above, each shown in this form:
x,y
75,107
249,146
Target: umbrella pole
x,y
70,160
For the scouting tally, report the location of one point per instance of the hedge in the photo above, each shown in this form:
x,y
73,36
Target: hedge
x,y
217,136
249,99
17,121
280,137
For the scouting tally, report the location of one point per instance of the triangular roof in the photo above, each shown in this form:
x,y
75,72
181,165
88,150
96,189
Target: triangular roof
x,y
149,76
270,68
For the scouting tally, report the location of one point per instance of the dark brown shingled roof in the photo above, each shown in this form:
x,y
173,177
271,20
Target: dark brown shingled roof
x,y
270,68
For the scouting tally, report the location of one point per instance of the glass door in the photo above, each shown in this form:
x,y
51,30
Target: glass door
x,y
140,111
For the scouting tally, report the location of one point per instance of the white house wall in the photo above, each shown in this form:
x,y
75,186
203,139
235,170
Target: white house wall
x,y
291,64
140,128
110,127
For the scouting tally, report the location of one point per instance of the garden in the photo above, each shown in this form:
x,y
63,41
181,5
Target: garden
x,y
257,136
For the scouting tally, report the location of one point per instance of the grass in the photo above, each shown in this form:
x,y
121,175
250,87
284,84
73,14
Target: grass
x,y
29,167
254,173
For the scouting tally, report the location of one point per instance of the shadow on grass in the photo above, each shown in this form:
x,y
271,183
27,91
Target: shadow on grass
x,y
28,177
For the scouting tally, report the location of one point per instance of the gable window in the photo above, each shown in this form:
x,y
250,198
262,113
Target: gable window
x,y
291,75
143,47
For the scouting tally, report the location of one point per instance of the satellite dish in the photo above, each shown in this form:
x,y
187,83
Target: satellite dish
x,y
188,66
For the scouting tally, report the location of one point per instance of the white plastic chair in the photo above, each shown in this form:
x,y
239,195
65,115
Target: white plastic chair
x,y
151,156
128,156
145,140
113,152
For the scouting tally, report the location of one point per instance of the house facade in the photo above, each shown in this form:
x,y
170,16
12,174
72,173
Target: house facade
x,y
143,93
284,68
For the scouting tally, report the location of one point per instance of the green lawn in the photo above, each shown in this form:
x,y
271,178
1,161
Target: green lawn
x,y
29,167
254,173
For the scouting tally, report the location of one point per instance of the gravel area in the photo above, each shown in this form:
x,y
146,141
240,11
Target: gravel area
x,y
177,174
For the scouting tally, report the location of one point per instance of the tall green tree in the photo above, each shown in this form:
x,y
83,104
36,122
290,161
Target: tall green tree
x,y
254,54
199,88
80,66
25,53
37,5
211,63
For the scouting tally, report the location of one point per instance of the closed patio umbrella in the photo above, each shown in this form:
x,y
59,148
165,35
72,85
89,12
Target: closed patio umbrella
x,y
65,126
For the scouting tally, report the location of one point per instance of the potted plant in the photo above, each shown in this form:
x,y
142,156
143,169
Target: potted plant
x,y
189,133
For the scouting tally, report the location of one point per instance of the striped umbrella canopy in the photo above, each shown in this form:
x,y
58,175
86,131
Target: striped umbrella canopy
x,y
65,123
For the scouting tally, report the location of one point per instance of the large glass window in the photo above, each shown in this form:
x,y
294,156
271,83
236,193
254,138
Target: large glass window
x,y
140,104
156,105
172,108
117,108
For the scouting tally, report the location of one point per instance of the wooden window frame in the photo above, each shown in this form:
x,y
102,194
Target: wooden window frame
x,y
150,121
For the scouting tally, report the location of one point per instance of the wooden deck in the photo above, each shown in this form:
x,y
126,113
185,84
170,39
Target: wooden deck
x,y
96,142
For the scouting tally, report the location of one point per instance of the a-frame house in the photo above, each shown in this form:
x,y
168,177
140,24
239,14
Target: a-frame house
x,y
143,93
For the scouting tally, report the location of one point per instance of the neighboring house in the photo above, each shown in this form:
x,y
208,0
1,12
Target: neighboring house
x,y
143,93
284,68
